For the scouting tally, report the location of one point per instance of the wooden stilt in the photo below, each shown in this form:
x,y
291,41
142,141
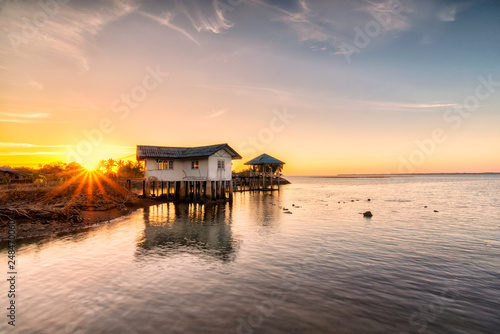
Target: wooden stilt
x,y
208,191
271,174
182,189
231,190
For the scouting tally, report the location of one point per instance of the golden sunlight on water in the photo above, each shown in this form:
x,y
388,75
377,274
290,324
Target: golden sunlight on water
x,y
247,267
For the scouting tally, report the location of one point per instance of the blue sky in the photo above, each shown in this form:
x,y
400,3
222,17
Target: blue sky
x,y
364,81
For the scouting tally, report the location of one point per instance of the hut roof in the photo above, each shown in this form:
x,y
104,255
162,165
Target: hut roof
x,y
264,159
13,171
183,152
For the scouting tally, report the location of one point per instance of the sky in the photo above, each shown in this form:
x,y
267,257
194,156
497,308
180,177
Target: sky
x,y
329,87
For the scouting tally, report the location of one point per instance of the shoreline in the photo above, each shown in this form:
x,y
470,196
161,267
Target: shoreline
x,y
40,225
46,211
69,206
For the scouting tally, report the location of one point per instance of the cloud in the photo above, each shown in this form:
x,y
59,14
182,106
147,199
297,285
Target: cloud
x,y
165,20
252,91
331,25
36,85
397,14
26,145
64,30
201,15
223,57
449,13
217,113
303,22
35,115
31,153
22,118
412,107
196,12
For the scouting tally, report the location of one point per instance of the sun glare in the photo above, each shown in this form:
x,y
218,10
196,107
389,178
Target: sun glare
x,y
89,164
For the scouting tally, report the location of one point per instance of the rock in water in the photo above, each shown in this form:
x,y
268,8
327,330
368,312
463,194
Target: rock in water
x,y
367,214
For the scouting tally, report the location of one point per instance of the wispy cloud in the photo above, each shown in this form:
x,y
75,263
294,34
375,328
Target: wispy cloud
x,y
35,115
223,57
36,85
412,107
66,32
449,12
26,145
165,20
301,21
328,30
394,10
201,15
31,153
254,91
22,118
3,120
217,113
205,17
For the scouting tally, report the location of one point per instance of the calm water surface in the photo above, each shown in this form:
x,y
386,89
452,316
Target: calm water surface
x,y
247,267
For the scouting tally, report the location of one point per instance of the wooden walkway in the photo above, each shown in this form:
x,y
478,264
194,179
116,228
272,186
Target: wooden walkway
x,y
256,182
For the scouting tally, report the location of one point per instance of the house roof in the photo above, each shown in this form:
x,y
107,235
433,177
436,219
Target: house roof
x,y
144,151
264,159
13,171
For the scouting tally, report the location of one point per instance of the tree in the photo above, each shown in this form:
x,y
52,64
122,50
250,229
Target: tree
x,y
5,179
73,166
110,165
53,170
130,169
101,166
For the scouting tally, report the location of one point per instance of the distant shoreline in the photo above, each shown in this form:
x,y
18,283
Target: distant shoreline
x,y
376,176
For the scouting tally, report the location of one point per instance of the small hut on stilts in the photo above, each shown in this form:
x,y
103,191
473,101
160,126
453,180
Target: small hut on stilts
x,y
265,173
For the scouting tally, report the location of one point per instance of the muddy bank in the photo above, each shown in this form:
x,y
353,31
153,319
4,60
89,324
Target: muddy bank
x,y
47,211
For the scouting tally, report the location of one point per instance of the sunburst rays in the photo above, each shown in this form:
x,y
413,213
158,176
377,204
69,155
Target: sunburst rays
x,y
91,184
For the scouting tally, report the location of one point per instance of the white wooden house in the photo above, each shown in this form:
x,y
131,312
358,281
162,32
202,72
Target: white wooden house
x,y
205,163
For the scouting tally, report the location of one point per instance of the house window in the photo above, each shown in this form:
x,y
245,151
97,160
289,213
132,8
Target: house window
x,y
164,164
195,164
221,164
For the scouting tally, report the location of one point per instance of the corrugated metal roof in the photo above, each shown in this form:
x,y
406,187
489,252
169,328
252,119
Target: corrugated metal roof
x,y
144,151
264,159
13,171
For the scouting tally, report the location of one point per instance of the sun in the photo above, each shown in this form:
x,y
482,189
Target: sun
x,y
90,164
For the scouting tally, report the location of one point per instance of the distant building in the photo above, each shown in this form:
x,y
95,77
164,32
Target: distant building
x,y
15,175
204,163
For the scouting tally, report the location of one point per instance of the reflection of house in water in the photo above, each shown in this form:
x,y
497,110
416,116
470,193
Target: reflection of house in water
x,y
175,228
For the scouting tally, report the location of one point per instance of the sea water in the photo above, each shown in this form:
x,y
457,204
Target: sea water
x,y
428,261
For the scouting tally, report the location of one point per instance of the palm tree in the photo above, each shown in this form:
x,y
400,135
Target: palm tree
x,y
110,164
